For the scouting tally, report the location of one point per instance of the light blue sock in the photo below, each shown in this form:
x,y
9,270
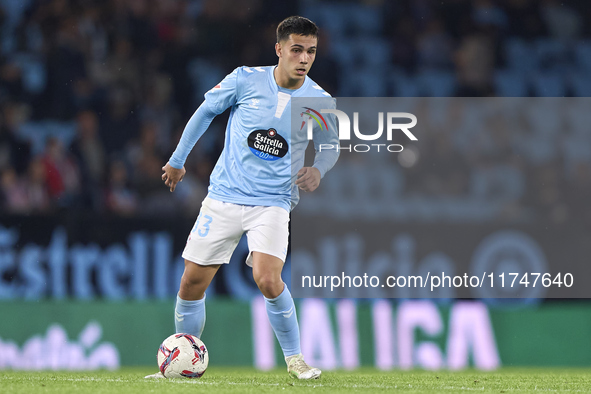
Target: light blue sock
x,y
282,315
189,316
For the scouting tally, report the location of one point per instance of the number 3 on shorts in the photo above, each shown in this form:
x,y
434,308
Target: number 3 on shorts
x,y
202,232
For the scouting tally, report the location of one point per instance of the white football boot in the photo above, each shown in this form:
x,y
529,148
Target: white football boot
x,y
297,367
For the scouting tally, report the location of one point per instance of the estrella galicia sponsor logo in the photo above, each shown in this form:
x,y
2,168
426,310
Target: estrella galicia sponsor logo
x,y
267,144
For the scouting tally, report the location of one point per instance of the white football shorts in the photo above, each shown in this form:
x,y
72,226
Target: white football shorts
x,y
220,226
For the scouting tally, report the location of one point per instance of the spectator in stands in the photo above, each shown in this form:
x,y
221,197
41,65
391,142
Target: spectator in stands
x,y
13,151
61,173
37,191
88,150
66,65
120,124
13,192
120,198
475,65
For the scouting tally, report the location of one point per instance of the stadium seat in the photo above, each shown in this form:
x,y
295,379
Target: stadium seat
x,y
434,83
342,51
365,19
403,85
362,51
551,53
372,51
364,82
583,55
510,84
548,84
520,56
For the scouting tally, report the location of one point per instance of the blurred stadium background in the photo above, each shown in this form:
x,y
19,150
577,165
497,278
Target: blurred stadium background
x,y
95,94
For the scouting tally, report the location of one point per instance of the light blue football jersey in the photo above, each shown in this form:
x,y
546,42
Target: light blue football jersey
x,y
255,166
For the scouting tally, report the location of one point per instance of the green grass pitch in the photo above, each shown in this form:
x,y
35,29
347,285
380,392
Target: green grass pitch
x,y
246,380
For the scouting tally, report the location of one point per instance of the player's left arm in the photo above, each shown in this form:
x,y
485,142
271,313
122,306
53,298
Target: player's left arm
x,y
327,154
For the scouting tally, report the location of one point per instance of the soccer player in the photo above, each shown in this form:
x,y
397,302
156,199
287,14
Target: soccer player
x,y
254,186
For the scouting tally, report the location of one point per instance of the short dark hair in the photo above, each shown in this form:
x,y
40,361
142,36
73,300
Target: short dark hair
x,y
296,25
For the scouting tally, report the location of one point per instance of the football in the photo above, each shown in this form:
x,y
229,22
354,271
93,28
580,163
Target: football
x,y
182,356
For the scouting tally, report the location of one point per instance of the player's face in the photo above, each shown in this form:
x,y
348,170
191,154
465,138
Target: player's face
x,y
296,55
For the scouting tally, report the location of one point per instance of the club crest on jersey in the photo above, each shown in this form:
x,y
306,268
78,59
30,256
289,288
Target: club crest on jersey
x,y
267,144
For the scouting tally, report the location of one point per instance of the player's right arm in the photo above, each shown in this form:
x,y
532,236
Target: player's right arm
x,y
217,100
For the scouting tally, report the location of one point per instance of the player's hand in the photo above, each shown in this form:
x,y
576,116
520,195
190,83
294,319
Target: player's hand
x,y
172,176
308,179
